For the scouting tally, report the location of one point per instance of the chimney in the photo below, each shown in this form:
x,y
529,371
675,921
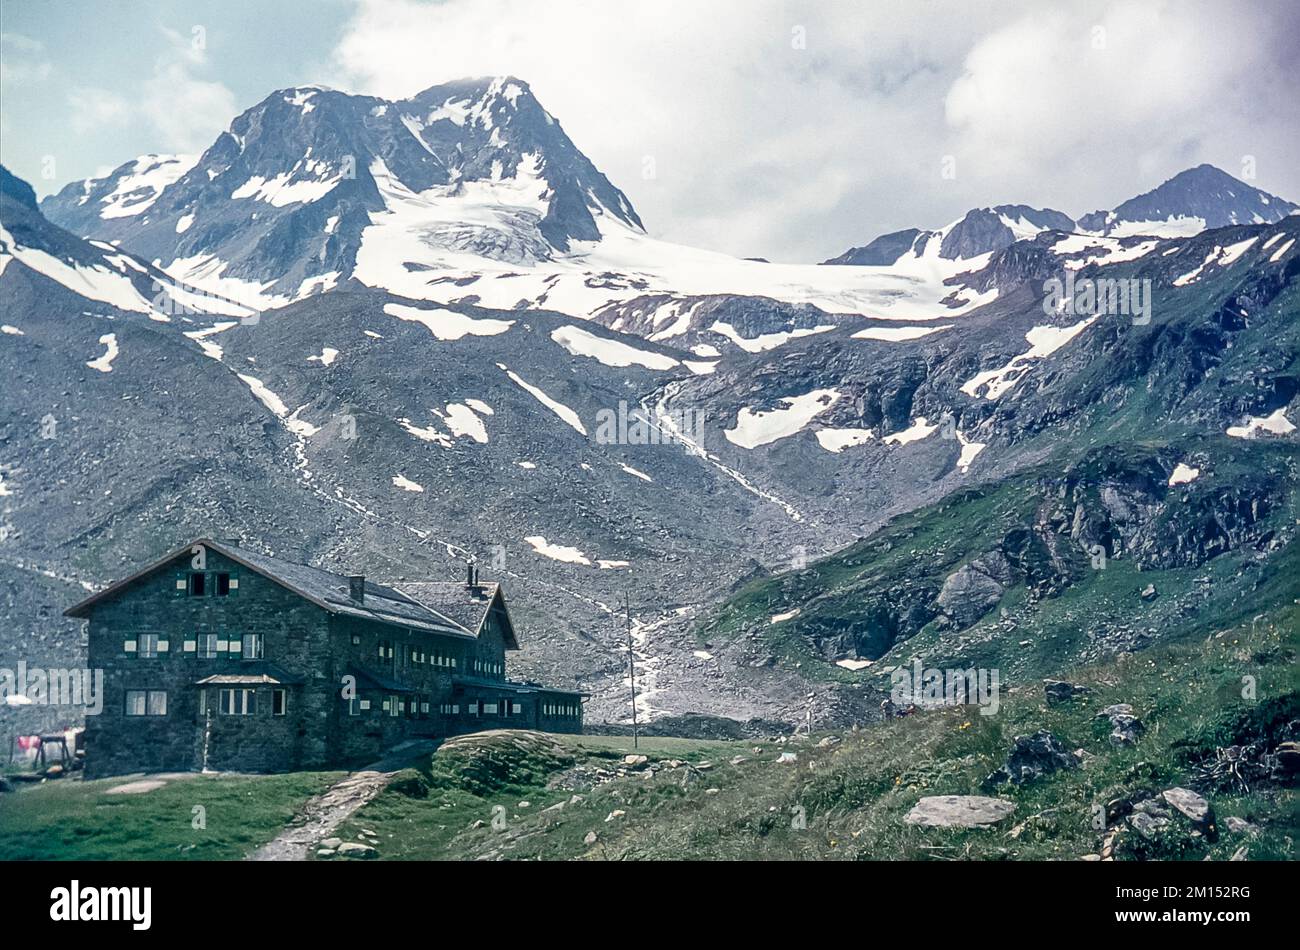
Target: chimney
x,y
357,587
471,579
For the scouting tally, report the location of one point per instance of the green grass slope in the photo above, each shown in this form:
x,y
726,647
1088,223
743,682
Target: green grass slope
x,y
844,796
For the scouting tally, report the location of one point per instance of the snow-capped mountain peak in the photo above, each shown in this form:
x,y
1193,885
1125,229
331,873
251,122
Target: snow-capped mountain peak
x,y
128,190
979,232
280,205
1193,200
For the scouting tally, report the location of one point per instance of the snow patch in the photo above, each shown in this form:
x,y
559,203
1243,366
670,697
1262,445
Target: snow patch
x,y
560,409
632,471
277,407
579,342
1043,342
447,324
897,334
1275,423
765,341
557,552
755,428
837,440
104,363
405,484
919,429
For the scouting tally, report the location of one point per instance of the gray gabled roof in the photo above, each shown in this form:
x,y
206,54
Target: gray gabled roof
x,y
467,606
325,589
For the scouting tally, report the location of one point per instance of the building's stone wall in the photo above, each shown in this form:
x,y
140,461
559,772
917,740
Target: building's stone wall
x,y
295,638
320,726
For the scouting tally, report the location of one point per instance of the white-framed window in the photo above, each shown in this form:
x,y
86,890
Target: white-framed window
x,y
206,647
279,702
146,646
253,646
146,702
238,701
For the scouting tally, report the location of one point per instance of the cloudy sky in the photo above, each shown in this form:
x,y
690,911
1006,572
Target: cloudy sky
x,y
789,129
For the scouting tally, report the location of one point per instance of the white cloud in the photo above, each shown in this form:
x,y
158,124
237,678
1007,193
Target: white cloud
x,y
188,111
763,148
22,60
1130,90
93,107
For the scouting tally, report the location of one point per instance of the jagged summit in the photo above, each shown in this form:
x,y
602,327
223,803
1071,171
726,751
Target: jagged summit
x,y
286,200
980,231
1193,200
1190,202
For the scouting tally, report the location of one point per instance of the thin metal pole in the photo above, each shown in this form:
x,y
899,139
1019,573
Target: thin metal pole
x,y
631,665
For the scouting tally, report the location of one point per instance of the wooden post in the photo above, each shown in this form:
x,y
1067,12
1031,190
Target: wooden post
x,y
631,665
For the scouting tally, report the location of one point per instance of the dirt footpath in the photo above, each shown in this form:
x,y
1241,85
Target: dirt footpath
x,y
322,814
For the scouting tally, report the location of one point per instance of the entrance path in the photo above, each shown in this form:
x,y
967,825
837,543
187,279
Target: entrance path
x,y
322,814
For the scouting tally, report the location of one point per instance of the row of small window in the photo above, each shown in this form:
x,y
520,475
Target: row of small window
x,y
230,702
206,646
391,706
489,668
404,655
397,706
561,710
207,583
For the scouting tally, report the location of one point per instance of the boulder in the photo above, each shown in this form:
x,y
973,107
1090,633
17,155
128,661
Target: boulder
x,y
1174,825
1190,804
590,838
959,811
1033,756
1125,727
1150,819
1149,593
1288,756
1240,826
331,843
968,594
353,849
1059,691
